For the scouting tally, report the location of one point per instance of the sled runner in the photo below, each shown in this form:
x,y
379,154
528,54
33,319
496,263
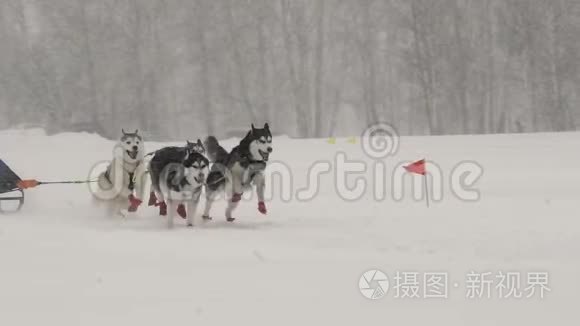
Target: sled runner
x,y
11,195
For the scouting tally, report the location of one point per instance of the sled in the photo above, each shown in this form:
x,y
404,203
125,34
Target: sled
x,y
11,195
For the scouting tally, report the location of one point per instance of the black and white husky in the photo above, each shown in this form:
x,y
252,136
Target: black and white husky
x,y
177,177
120,186
236,171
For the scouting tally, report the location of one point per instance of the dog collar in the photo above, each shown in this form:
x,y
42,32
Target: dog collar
x,y
248,163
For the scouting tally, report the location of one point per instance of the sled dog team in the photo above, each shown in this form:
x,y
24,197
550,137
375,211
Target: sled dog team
x,y
180,174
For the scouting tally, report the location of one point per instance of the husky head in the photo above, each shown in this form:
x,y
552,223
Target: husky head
x,y
196,147
133,148
197,166
260,143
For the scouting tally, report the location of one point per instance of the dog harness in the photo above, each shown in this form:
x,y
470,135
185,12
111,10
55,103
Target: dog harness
x,y
131,185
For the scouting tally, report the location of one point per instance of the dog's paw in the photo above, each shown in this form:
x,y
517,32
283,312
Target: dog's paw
x,y
134,203
262,208
236,198
230,219
152,199
181,211
206,217
162,209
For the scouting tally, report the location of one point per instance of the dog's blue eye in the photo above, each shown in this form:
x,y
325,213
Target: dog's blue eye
x,y
128,143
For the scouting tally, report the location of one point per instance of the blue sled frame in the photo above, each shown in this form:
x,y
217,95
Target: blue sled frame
x,y
9,191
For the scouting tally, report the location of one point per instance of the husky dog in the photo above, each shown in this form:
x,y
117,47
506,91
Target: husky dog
x,y
161,159
181,183
120,184
236,171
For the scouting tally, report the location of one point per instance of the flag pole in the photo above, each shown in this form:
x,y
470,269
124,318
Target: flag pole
x,y
426,189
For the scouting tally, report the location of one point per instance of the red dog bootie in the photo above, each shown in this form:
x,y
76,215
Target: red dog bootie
x,y
181,211
162,208
134,203
236,197
152,199
262,208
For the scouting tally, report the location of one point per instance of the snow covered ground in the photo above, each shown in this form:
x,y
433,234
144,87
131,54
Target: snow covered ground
x,y
63,262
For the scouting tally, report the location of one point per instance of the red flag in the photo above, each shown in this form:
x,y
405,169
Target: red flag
x,y
417,167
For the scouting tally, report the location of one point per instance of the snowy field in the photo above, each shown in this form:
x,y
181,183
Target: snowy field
x,y
63,262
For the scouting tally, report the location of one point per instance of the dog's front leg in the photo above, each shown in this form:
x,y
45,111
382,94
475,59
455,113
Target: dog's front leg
x,y
140,179
192,206
260,181
237,186
236,197
210,196
136,193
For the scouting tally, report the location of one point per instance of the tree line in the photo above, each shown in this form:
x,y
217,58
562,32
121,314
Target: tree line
x,y
311,68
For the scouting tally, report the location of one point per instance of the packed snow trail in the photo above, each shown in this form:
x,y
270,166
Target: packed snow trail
x,y
63,262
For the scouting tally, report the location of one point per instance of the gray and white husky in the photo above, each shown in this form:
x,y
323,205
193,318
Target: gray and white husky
x,y
238,170
180,184
160,160
121,186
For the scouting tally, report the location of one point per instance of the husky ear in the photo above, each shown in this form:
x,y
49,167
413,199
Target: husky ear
x,y
123,131
199,142
188,143
136,131
187,154
266,126
253,128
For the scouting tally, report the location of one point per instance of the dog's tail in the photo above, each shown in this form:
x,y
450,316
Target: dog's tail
x,y
150,154
215,152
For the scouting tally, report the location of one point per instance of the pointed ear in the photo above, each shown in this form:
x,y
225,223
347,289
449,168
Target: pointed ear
x,y
136,131
123,131
199,142
188,142
253,128
266,126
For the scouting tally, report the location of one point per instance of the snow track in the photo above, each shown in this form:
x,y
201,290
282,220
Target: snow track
x,y
62,262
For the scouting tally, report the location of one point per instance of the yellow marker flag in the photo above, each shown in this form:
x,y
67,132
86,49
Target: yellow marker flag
x,y
332,140
352,140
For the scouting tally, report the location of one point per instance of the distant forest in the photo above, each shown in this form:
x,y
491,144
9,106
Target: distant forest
x,y
312,68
